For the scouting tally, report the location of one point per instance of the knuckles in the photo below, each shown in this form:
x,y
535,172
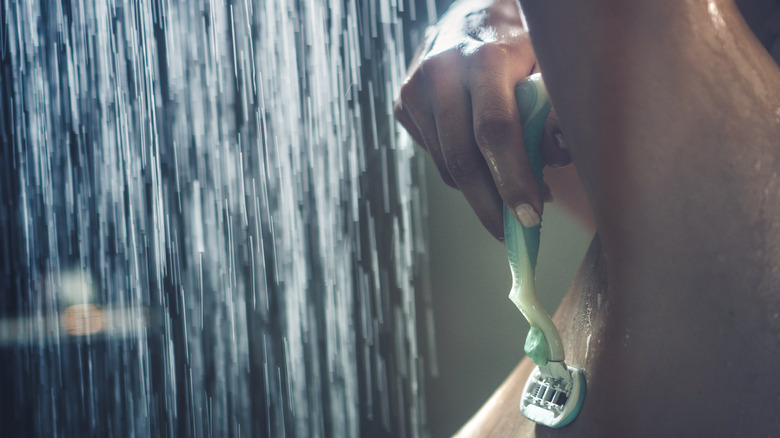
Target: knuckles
x,y
491,53
492,127
463,166
459,64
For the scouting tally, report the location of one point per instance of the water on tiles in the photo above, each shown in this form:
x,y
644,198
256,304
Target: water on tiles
x,y
210,226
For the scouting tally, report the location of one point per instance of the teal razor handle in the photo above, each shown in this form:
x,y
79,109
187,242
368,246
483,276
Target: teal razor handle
x,y
554,393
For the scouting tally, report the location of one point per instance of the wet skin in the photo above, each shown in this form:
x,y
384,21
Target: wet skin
x,y
671,112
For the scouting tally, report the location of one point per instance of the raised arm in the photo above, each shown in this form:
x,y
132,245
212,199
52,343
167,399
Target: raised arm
x,y
458,103
664,104
671,110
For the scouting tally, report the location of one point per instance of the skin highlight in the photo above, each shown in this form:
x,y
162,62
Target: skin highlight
x,y
670,111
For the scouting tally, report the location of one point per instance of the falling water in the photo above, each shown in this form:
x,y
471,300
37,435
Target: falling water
x,y
210,226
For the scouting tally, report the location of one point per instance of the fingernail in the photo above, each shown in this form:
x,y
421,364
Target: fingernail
x,y
559,138
527,215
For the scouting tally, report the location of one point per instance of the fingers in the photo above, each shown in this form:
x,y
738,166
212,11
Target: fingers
x,y
413,111
467,119
498,133
464,161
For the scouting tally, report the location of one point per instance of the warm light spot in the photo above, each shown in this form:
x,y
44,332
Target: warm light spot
x,y
82,319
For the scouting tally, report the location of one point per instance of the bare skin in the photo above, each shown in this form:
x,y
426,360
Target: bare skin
x,y
458,103
671,112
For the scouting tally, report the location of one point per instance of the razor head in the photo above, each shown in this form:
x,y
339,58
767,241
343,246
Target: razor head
x,y
553,400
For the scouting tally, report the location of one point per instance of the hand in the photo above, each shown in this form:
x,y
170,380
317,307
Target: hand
x,y
458,102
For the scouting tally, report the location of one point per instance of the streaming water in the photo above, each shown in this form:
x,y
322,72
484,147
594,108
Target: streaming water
x,y
210,225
